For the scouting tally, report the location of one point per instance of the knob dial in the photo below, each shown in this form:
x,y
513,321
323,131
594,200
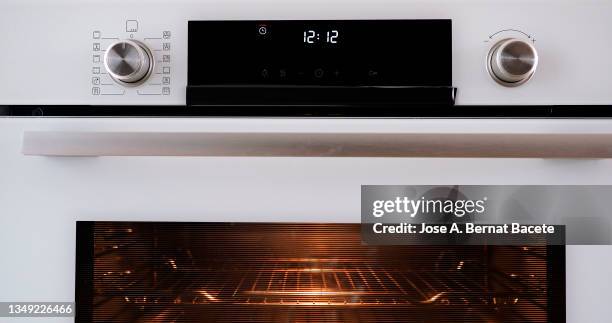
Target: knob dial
x,y
512,62
128,62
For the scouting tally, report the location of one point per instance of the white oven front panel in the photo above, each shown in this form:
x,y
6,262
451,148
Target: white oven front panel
x,y
42,197
52,51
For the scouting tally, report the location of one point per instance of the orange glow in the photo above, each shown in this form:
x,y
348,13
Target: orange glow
x,y
433,298
173,264
318,292
208,296
460,266
277,273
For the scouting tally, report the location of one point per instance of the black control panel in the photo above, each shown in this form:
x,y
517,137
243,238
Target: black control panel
x,y
335,62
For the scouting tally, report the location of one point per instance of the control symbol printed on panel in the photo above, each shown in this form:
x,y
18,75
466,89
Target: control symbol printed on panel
x,y
131,26
262,30
529,36
282,73
318,73
99,56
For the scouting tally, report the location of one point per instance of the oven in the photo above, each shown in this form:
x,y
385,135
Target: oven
x,y
202,161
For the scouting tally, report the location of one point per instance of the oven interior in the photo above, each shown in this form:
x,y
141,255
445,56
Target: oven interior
x,y
303,272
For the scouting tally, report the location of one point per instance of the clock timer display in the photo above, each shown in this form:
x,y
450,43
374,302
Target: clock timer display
x,y
320,52
312,37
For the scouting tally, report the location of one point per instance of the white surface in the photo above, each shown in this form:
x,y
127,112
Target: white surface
x,y
42,197
46,48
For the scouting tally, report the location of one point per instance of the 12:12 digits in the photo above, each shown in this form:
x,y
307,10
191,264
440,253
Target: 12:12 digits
x,y
312,37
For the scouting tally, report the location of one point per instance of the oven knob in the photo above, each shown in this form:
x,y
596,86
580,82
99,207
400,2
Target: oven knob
x,y
512,62
128,62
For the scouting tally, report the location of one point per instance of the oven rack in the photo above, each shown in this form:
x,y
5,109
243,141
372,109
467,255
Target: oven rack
x,y
320,283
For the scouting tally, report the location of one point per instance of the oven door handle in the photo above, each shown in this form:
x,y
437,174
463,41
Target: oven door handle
x,y
289,144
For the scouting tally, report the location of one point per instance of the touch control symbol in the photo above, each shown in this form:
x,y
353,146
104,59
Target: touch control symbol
x,y
318,73
131,26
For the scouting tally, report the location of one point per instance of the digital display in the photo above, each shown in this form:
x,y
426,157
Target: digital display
x,y
321,52
328,37
312,35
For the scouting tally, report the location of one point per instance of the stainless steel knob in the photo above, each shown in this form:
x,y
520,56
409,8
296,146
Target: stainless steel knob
x,y
512,62
128,62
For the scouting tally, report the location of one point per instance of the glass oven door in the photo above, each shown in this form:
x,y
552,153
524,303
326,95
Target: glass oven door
x,y
186,272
